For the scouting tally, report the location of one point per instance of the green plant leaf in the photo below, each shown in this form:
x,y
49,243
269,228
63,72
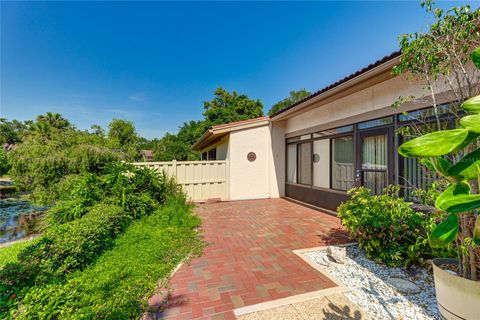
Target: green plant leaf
x,y
434,144
427,163
472,105
471,123
455,190
476,57
441,165
476,232
467,167
445,232
457,198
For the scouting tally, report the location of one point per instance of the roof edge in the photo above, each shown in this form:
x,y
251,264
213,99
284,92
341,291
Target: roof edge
x,y
225,128
386,60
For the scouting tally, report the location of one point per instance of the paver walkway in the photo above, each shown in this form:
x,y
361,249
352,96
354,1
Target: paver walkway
x,y
249,258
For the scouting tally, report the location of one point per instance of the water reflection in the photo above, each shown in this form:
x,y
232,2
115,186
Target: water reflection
x,y
18,219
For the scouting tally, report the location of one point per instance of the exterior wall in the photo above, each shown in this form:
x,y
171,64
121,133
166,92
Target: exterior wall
x,y
369,103
277,160
222,148
250,180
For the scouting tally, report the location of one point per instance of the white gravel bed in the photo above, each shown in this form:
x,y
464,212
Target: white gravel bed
x,y
369,289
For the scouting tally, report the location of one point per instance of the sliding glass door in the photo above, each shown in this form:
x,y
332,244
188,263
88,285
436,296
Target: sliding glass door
x,y
374,159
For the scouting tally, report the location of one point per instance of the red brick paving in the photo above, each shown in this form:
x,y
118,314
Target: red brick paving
x,y
249,258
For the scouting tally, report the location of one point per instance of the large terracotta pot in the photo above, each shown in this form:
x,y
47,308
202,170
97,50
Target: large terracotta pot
x,y
457,298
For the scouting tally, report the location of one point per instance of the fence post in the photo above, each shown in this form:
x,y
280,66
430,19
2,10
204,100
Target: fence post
x,y
174,167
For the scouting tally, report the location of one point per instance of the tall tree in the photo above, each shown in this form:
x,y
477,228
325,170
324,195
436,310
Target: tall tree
x,y
225,107
11,131
179,146
228,107
294,97
54,119
122,132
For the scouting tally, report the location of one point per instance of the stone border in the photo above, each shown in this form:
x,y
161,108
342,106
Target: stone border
x,y
339,288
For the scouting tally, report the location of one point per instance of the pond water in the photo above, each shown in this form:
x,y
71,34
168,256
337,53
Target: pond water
x,y
18,219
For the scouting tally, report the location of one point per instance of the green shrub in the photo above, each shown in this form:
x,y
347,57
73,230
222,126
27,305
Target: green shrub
x,y
38,166
63,249
384,225
138,190
4,164
118,284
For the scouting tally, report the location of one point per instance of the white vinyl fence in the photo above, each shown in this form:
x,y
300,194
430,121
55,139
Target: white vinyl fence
x,y
201,180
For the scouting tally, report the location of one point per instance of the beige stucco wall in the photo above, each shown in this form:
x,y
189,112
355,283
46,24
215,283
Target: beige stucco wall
x,y
249,180
277,159
370,103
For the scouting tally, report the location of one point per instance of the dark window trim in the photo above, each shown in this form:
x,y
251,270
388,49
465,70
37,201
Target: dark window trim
x,y
350,134
395,166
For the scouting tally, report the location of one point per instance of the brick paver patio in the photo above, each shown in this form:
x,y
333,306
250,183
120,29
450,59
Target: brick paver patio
x,y
249,258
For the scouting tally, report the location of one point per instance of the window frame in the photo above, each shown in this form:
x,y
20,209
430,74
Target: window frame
x,y
395,165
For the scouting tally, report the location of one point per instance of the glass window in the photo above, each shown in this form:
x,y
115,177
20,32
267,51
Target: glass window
x,y
330,132
292,163
305,163
342,163
204,156
321,163
414,175
375,162
375,123
423,114
299,138
212,154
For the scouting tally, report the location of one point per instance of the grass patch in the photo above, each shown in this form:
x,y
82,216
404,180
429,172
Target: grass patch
x,y
119,283
10,254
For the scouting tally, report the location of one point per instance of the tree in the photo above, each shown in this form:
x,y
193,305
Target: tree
x,y
228,107
179,146
122,132
294,97
11,131
97,130
225,107
54,119
441,57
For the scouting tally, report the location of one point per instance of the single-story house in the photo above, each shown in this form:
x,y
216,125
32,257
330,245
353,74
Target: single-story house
x,y
341,136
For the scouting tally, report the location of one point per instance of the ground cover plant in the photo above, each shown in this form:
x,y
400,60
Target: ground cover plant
x,y
117,285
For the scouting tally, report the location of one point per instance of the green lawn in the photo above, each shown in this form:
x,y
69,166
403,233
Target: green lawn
x,y
10,253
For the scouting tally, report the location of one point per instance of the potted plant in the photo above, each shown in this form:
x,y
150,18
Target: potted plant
x,y
456,280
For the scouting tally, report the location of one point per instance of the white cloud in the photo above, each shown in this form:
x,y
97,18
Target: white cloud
x,y
138,97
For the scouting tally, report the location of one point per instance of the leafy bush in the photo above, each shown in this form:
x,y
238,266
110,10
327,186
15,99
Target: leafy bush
x,y
384,225
4,164
117,285
138,190
38,166
63,249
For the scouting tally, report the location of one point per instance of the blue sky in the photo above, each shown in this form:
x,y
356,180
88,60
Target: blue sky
x,y
155,62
